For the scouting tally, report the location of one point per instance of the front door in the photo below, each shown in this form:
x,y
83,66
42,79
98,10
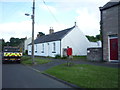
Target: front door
x,y
114,49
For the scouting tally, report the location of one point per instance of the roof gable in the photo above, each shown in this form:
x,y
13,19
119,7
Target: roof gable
x,y
109,5
54,36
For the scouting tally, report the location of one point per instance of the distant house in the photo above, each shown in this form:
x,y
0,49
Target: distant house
x,y
55,43
1,45
26,43
110,26
95,44
21,45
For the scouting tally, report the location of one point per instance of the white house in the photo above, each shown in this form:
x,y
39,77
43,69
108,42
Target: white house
x,y
95,44
55,43
26,43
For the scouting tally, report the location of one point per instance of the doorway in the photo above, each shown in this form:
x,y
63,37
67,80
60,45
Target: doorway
x,y
113,46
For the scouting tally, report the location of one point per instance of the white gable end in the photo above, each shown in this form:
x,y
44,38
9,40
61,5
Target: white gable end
x,y
76,40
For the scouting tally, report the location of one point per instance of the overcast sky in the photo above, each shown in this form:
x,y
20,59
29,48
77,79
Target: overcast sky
x,y
13,22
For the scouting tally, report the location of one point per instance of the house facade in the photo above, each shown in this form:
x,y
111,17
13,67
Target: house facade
x,y
56,43
0,45
26,43
110,26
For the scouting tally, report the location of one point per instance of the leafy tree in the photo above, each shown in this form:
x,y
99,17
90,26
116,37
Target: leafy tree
x,y
94,38
3,43
98,37
40,34
14,42
91,38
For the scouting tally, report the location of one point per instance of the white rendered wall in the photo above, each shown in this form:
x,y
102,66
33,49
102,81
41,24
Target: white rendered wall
x,y
28,41
48,49
76,40
95,44
29,49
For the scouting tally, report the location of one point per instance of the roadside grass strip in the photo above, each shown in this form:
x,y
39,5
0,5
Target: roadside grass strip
x,y
86,76
27,60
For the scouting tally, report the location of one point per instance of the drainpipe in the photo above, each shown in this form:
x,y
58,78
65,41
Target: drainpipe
x,y
101,28
60,48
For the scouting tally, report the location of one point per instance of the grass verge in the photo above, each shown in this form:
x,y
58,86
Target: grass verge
x,y
86,76
27,60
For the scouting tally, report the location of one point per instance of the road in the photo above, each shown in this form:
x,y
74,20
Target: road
x,y
20,76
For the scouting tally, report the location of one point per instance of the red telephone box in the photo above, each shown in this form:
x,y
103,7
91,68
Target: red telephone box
x,y
69,51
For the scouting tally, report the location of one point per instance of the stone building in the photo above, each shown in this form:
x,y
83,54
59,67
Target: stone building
x,y
110,26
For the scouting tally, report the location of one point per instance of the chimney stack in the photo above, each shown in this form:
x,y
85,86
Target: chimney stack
x,y
51,30
75,23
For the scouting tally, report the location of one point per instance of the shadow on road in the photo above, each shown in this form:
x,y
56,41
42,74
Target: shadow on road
x,y
10,62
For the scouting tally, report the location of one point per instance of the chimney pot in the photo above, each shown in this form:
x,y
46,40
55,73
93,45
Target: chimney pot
x,y
51,30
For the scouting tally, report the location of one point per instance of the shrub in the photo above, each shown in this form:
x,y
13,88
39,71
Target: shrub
x,y
57,56
64,57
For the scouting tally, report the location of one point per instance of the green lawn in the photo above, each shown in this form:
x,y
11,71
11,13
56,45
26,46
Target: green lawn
x,y
27,60
87,76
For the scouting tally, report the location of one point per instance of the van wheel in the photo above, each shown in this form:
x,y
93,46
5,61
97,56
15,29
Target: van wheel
x,y
3,62
18,61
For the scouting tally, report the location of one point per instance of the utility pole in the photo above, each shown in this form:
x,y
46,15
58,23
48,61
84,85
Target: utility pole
x,y
33,22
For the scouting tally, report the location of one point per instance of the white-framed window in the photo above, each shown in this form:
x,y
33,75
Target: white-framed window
x,y
36,48
54,48
42,48
29,49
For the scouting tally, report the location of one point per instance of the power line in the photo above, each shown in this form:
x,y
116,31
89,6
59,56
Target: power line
x,y
50,11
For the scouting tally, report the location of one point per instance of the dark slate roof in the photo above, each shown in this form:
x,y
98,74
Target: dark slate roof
x,y
109,5
53,37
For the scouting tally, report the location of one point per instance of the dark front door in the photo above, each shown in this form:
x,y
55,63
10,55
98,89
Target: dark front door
x,y
114,49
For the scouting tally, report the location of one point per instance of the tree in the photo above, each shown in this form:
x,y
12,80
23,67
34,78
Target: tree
x,y
40,34
2,44
91,38
94,39
98,37
14,42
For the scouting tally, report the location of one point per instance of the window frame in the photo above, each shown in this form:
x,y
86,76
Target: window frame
x,y
42,48
54,47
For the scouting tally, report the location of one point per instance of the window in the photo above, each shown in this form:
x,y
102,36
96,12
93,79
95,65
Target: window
x,y
30,49
36,49
113,36
42,48
54,48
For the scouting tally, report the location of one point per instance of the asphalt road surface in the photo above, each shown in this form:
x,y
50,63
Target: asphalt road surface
x,y
20,76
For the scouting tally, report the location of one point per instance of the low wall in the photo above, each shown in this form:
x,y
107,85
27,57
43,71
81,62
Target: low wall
x,y
94,54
